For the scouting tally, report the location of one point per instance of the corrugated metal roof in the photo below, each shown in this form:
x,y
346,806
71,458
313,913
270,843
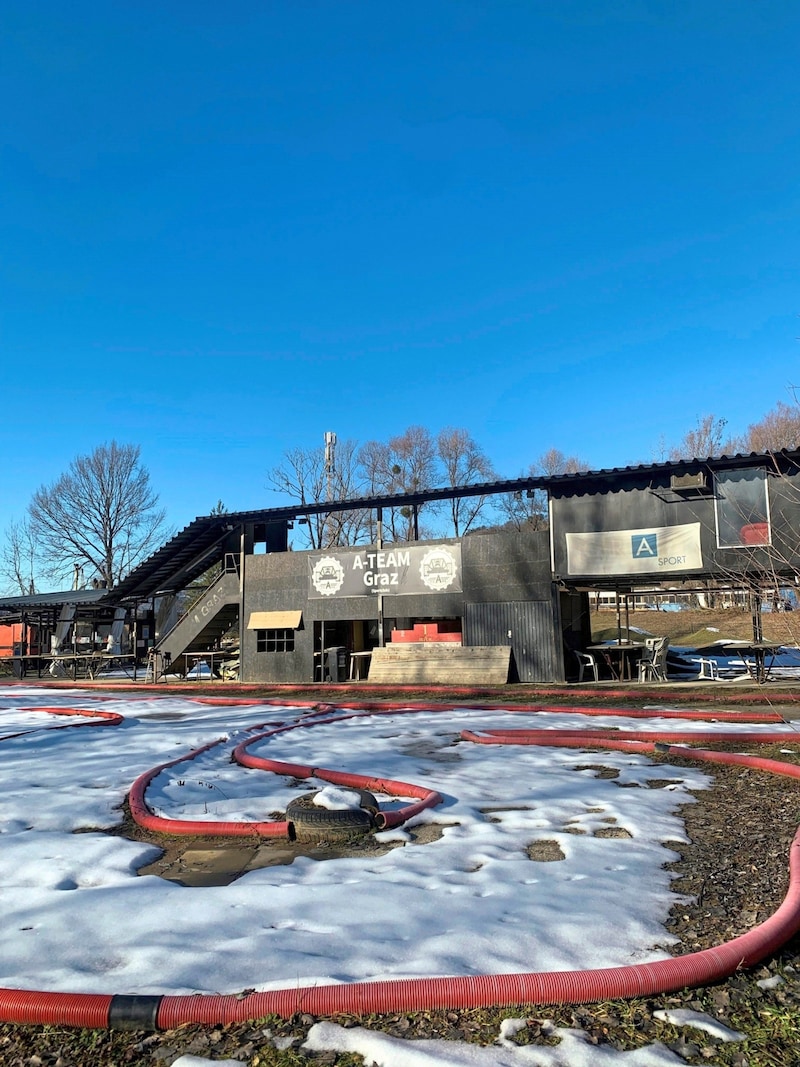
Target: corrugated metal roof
x,y
194,549
189,552
790,457
44,601
180,560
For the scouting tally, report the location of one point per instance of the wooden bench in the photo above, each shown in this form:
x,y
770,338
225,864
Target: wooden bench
x,y
440,663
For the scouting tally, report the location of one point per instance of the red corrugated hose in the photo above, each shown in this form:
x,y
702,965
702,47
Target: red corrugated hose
x,y
553,987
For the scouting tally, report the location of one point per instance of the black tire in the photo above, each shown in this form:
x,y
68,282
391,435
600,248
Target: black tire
x,y
368,802
305,814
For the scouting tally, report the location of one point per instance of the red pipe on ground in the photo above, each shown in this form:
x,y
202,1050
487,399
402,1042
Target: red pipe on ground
x,y
394,707
427,798
425,994
547,987
32,1007
104,718
108,718
143,815
755,695
660,976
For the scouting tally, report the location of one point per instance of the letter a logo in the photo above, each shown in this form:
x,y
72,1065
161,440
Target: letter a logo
x,y
644,545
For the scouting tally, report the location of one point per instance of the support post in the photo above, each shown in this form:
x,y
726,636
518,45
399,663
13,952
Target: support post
x,y
755,613
379,544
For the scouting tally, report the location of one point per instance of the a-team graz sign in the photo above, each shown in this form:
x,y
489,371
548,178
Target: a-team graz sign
x,y
409,569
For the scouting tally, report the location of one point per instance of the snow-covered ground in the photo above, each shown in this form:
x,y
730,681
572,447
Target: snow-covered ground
x,y
78,918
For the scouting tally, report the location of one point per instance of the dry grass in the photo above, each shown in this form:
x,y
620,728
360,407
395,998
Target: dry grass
x,y
699,627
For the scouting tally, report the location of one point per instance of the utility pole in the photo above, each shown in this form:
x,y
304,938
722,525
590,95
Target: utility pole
x,y
330,471
330,461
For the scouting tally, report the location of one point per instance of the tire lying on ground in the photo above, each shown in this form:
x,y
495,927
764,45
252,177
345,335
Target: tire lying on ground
x,y
310,818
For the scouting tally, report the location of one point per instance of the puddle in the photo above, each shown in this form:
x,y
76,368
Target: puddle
x,y
217,863
221,864
437,752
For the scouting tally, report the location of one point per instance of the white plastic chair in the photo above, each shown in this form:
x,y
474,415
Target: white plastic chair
x,y
586,661
653,664
709,668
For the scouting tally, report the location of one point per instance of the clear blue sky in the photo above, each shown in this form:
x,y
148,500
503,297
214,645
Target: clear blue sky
x,y
230,227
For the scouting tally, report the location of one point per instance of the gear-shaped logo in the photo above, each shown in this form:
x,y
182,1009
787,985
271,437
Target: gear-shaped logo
x,y
327,577
438,569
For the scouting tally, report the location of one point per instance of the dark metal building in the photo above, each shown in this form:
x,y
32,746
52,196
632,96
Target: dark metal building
x,y
486,589
304,616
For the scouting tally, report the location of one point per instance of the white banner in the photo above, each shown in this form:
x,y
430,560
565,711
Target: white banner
x,y
657,550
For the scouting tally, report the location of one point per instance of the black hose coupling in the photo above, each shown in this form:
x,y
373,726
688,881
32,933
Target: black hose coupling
x,y
134,1012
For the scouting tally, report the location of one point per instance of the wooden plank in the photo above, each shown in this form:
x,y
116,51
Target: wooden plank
x,y
442,664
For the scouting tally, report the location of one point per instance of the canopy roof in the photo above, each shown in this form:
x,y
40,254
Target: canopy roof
x,y
191,551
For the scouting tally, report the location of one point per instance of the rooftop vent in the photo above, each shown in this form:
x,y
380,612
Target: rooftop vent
x,y
683,483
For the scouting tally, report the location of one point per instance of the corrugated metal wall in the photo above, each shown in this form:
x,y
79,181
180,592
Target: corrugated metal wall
x,y
530,624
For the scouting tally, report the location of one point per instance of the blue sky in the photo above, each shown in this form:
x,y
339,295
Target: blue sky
x,y
228,228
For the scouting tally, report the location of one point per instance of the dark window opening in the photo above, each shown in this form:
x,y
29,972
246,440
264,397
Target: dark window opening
x,y
259,538
274,640
742,509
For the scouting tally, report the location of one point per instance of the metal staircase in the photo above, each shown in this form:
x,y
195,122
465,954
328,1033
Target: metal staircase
x,y
206,621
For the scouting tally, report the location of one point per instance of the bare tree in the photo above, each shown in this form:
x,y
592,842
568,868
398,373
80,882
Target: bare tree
x,y
528,509
18,558
101,515
463,463
407,463
345,482
411,462
553,462
301,476
780,428
706,439
304,476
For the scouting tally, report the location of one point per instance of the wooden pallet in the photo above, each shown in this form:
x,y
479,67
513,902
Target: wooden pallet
x,y
440,663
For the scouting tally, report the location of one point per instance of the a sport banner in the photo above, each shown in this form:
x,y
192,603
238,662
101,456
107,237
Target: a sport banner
x,y
652,550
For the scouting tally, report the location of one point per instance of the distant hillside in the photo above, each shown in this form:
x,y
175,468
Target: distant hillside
x,y
700,626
